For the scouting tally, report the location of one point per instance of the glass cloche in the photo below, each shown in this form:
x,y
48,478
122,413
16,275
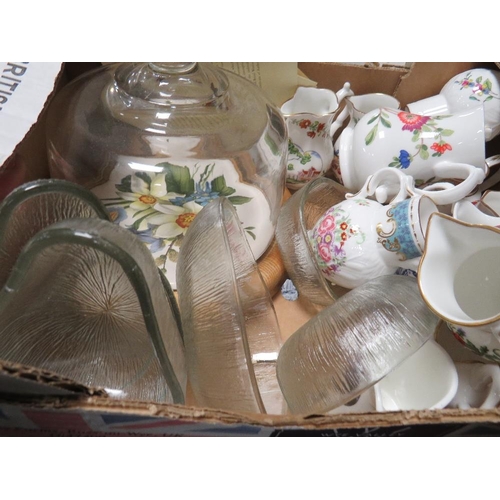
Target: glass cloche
x,y
157,141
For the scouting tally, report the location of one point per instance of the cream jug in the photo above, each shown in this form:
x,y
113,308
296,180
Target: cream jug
x,y
360,239
312,120
459,279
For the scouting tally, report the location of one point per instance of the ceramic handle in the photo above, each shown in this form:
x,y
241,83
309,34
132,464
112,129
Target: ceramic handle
x,y
344,92
339,121
377,185
472,177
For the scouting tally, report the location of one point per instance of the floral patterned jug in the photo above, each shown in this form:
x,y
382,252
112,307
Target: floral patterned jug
x,y
360,239
157,141
311,118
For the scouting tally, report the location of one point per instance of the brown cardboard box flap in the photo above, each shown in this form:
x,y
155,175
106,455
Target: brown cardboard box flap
x,y
198,415
25,380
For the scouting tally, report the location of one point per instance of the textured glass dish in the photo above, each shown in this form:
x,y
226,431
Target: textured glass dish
x,y
352,344
36,205
85,300
158,141
231,331
299,215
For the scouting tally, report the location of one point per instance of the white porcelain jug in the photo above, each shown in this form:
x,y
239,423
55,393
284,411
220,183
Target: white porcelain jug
x,y
459,279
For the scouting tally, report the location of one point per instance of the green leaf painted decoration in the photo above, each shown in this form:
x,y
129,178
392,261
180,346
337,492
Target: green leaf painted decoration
x,y
423,154
178,178
125,185
145,177
239,200
447,132
385,122
371,135
219,185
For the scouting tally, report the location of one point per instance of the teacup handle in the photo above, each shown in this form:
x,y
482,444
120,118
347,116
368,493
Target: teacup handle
x,y
377,185
441,194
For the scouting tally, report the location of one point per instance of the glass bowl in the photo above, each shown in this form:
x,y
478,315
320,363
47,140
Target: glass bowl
x,y
85,301
353,343
232,336
298,216
161,140
35,205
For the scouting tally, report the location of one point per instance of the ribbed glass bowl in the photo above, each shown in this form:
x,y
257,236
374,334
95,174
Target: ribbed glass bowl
x,y
85,301
298,216
35,205
232,336
352,344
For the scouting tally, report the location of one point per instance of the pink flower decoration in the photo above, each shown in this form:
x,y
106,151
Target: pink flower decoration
x,y
324,252
413,122
328,224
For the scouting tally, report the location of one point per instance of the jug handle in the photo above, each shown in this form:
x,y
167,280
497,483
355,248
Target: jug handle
x,y
473,176
339,121
345,91
495,178
374,186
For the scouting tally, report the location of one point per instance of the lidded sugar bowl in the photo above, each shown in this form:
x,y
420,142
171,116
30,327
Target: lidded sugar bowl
x,y
157,141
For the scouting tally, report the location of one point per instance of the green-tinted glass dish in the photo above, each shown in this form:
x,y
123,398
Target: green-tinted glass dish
x,y
36,205
85,300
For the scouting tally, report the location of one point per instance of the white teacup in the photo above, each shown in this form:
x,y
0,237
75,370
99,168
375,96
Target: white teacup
x,y
463,92
423,147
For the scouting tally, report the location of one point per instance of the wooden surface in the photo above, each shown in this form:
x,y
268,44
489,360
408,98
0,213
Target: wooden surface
x,y
271,264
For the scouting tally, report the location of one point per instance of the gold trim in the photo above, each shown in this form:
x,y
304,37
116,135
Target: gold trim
x,y
489,321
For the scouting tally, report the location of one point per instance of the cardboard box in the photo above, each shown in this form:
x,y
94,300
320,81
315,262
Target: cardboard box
x,y
34,402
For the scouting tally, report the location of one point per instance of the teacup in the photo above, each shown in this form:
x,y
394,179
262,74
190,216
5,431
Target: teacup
x,y
360,239
311,121
424,147
463,92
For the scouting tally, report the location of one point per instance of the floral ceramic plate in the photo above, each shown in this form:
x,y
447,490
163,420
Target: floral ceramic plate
x,y
231,332
159,206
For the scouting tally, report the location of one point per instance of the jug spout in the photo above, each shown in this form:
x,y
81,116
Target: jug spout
x,y
459,276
